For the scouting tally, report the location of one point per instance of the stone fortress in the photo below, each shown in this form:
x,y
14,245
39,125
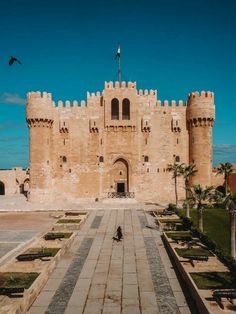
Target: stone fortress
x,y
118,143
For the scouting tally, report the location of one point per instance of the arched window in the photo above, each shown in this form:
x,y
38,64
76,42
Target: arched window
x,y
177,159
126,109
101,159
2,188
146,159
115,109
64,159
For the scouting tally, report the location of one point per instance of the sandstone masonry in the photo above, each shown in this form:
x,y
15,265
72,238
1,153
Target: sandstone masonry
x,y
120,140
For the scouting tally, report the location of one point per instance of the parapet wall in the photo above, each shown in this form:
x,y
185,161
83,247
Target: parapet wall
x,y
116,85
200,107
39,106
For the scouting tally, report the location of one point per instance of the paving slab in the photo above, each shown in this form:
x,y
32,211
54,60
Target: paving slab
x,y
99,275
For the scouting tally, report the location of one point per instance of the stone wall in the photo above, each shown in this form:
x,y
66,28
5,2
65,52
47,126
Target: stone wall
x,y
81,151
14,181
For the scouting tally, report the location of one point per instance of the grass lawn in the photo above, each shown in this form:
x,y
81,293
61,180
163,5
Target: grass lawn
x,y
75,213
69,221
17,280
216,225
165,220
178,234
52,250
214,280
193,252
66,235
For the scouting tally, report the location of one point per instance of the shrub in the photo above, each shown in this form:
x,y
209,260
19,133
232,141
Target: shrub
x,y
171,207
187,223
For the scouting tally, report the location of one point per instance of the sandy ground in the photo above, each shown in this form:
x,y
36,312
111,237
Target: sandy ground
x,y
37,221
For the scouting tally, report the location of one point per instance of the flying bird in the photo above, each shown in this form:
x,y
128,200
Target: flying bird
x,y
12,60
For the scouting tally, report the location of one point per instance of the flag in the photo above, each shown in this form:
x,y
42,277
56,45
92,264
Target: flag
x,y
118,53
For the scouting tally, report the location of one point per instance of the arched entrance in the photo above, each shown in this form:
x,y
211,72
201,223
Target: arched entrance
x,y
2,188
120,176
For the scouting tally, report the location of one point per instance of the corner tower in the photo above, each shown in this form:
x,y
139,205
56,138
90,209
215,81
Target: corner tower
x,y
39,116
200,119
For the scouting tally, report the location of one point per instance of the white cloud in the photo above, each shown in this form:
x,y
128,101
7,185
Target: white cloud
x,y
11,99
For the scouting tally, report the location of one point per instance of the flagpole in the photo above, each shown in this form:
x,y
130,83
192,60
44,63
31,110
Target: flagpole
x,y
119,66
119,69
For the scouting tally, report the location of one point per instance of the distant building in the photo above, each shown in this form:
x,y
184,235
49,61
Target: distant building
x,y
14,181
118,143
218,180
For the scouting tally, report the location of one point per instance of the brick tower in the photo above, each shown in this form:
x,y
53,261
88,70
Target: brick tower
x,y
200,119
39,115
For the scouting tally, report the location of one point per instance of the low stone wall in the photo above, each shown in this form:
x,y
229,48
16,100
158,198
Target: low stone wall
x,y
70,226
193,290
22,305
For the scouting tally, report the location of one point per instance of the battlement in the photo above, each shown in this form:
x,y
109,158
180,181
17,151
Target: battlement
x,y
69,104
34,95
172,103
116,85
93,95
202,95
147,92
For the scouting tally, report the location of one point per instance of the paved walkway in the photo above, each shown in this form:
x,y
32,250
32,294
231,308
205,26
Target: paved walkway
x,y
99,275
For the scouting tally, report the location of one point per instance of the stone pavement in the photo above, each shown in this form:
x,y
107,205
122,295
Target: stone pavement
x,y
99,275
18,203
12,240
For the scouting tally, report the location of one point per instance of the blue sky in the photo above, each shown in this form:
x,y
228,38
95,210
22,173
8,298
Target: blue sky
x,y
68,47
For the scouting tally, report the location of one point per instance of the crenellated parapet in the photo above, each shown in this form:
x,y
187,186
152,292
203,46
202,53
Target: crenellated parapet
x,y
147,92
172,103
69,105
39,95
39,109
118,85
96,95
203,95
200,109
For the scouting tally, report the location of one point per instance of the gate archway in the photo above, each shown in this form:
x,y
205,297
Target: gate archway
x,y
120,176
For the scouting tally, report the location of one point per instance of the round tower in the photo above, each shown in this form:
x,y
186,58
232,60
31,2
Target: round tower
x,y
39,116
200,119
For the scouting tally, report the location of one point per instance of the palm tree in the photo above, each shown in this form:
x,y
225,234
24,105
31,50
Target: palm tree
x,y
230,206
187,204
176,169
225,169
187,172
200,196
